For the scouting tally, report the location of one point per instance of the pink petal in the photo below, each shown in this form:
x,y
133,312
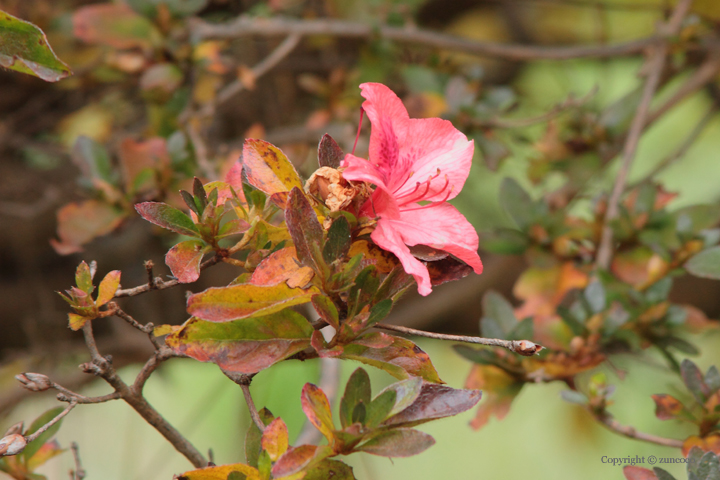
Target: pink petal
x,y
388,238
360,170
439,226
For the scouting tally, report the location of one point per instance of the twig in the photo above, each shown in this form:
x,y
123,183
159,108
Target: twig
x,y
522,347
160,355
149,264
52,422
201,151
263,67
79,472
273,27
147,329
630,432
244,380
568,104
655,66
159,284
102,367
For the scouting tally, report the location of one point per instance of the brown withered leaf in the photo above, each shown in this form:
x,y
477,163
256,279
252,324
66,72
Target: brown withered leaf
x,y
667,407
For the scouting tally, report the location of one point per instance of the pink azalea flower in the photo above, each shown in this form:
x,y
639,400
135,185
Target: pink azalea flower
x,y
411,161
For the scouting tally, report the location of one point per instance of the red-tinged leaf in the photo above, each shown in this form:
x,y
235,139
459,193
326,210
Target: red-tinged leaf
x,y
163,215
234,179
667,407
500,389
279,199
46,452
223,304
330,469
244,346
710,443
76,321
267,168
317,409
83,278
275,439
402,359
632,472
282,266
221,472
320,345
184,259
115,25
433,402
327,310
305,230
375,340
80,222
329,152
296,459
144,164
108,287
398,442
24,48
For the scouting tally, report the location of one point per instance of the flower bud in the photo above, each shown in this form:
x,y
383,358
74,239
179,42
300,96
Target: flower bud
x,y
526,348
12,444
35,382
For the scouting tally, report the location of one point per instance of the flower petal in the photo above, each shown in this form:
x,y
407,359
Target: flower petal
x,y
360,170
388,238
439,226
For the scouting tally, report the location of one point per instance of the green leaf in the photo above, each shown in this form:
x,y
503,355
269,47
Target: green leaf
x,y
317,409
705,264
523,330
184,259
244,346
83,278
573,396
253,437
662,474
163,215
24,48
379,311
325,307
223,304
180,8
406,392
595,296
433,402
505,241
489,328
517,203
712,379
399,442
92,159
330,469
693,379
305,230
338,241
201,200
357,391
402,359
33,447
267,167
379,409
108,287
496,307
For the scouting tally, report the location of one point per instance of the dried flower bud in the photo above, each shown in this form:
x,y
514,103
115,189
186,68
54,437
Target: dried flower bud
x,y
12,444
35,382
328,184
526,348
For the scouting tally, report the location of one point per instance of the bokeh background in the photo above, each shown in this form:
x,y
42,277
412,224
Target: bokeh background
x,y
312,91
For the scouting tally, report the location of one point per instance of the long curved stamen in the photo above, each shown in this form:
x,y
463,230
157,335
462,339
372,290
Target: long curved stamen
x,y
422,207
357,137
413,197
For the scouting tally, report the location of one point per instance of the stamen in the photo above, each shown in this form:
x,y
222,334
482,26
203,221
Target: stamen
x,y
422,207
357,137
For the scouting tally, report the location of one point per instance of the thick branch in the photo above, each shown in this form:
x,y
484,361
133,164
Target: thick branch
x,y
275,27
655,66
630,432
522,347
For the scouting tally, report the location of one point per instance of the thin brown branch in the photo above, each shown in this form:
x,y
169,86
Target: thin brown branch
x,y
52,422
244,381
522,347
263,67
147,329
273,27
149,264
655,66
630,432
160,284
79,472
160,355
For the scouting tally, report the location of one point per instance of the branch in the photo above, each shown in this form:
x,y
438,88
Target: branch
x,y
147,329
244,381
159,284
273,27
655,65
263,67
521,347
52,422
79,472
630,432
